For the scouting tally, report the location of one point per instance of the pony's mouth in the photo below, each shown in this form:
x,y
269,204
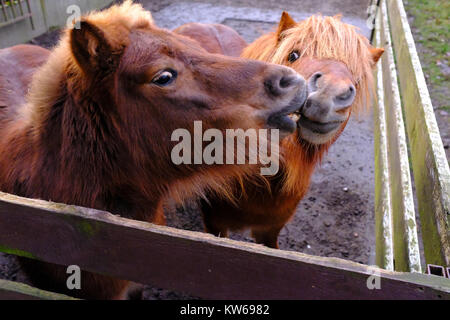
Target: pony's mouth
x,y
318,127
283,122
286,119
295,116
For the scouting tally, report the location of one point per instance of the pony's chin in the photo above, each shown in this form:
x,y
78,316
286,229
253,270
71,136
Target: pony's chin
x,y
284,124
314,137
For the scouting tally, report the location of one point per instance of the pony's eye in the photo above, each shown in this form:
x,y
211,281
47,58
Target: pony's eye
x,y
293,56
165,78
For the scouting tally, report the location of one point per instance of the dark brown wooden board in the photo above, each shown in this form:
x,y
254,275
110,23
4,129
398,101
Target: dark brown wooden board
x,y
195,263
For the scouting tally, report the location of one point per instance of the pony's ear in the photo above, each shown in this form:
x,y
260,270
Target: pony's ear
x,y
376,54
286,23
91,48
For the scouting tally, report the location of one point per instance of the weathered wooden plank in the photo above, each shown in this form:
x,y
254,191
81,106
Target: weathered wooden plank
x,y
192,262
372,10
429,162
383,208
19,291
406,245
15,20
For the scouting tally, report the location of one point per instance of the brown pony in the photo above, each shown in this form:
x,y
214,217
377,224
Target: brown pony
x,y
96,127
338,63
18,63
214,38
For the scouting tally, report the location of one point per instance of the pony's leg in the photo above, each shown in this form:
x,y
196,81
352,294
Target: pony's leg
x,y
215,230
210,222
159,217
268,236
134,291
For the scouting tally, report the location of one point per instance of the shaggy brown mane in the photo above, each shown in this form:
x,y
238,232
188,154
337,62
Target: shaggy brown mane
x,y
322,37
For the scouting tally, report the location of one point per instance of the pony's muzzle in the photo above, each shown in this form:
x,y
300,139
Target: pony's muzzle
x,y
327,99
325,108
285,119
287,92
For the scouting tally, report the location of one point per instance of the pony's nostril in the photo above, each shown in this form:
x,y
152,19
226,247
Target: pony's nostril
x,y
279,84
347,95
290,81
312,84
285,82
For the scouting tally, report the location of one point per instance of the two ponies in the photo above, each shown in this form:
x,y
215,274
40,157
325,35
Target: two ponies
x,y
337,62
95,128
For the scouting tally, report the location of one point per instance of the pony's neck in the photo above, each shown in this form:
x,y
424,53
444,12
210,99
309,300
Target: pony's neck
x,y
299,161
77,147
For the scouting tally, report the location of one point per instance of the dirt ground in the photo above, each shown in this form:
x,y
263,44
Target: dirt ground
x,y
336,218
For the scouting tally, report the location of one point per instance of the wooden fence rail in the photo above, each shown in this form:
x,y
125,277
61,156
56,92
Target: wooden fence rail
x,y
383,205
191,262
405,239
429,162
403,98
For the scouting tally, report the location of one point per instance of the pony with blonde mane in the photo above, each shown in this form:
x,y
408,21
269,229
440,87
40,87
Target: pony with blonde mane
x,y
337,62
95,129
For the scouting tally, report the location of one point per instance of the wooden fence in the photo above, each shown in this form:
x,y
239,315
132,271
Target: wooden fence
x,y
196,263
14,11
403,98
214,268
23,20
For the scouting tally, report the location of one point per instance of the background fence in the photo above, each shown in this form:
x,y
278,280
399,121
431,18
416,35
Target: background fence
x,y
23,20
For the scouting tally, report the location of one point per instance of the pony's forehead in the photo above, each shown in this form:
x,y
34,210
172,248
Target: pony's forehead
x,y
325,35
149,50
155,39
327,38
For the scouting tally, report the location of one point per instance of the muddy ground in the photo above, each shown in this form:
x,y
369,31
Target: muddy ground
x,y
336,218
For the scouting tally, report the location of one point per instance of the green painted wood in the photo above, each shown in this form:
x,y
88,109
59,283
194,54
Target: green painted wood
x,y
191,262
383,209
19,291
406,245
429,162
